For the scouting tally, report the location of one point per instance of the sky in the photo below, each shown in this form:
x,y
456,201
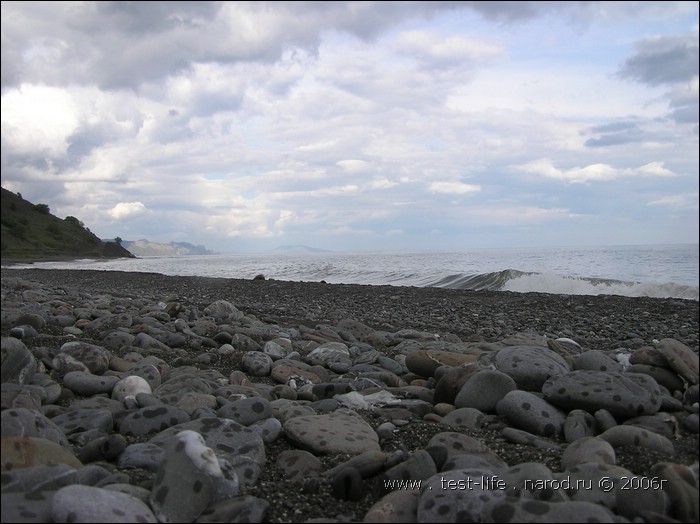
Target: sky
x,y
356,126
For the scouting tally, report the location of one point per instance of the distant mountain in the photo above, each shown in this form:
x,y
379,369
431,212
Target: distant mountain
x,y
31,233
145,248
299,249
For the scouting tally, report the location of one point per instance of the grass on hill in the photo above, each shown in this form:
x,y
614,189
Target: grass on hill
x,y
30,233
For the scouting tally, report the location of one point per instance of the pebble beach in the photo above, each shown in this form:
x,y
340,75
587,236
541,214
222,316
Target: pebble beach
x,y
139,397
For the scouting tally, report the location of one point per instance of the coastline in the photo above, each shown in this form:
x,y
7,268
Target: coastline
x,y
605,323
596,321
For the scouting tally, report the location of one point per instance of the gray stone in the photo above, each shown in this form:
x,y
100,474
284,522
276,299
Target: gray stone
x,y
87,384
18,363
579,424
256,363
457,496
94,358
89,504
470,418
297,464
531,413
626,435
588,449
22,422
484,390
681,358
597,361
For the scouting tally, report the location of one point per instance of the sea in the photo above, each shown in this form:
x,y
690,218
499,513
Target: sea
x,y
659,271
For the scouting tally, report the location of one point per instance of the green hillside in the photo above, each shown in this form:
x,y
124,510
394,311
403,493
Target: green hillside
x,y
30,232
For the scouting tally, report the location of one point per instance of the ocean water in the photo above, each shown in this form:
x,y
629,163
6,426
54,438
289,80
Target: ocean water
x,y
661,271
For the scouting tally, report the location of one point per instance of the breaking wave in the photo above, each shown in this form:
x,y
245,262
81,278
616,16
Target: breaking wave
x,y
524,282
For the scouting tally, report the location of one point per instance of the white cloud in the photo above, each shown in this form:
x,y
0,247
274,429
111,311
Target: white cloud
x,y
594,172
38,118
354,166
677,201
127,210
453,188
437,50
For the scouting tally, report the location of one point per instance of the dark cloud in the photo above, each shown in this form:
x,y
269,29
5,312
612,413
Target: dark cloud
x,y
615,134
686,115
117,45
614,127
663,60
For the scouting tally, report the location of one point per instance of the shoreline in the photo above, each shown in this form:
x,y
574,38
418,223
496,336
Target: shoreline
x,y
466,313
407,318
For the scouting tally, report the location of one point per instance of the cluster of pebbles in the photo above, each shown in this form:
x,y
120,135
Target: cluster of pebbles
x,y
133,397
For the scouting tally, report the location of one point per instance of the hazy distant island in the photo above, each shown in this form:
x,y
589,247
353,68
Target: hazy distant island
x,y
146,248
297,248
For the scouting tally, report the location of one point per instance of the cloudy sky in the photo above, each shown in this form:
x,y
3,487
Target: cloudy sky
x,y
242,126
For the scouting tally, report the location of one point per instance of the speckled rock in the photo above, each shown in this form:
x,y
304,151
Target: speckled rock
x,y
241,446
152,419
530,366
256,363
186,479
339,432
247,410
333,355
622,394
94,358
